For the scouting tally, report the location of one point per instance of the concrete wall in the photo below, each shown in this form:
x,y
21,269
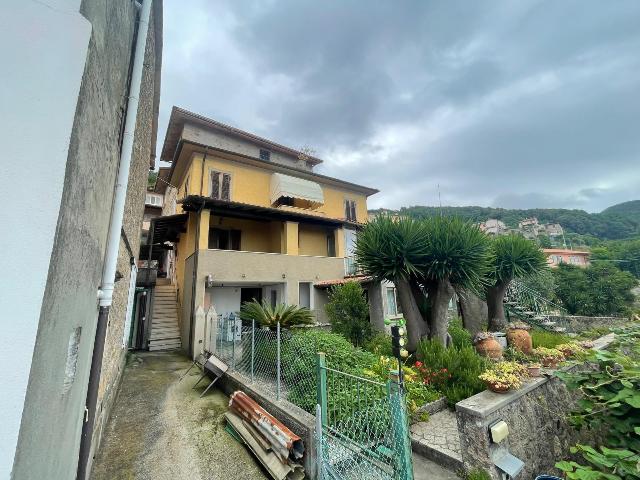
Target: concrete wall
x,y
234,267
233,144
76,73
581,324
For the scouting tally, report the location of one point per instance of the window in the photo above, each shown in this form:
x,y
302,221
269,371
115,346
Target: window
x,y
331,245
274,298
393,307
222,239
265,155
350,210
154,200
220,185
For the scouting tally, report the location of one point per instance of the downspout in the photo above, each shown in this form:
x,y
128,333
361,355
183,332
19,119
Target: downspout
x,y
194,281
105,293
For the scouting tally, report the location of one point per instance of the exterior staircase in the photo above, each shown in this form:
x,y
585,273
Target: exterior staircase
x,y
165,332
531,307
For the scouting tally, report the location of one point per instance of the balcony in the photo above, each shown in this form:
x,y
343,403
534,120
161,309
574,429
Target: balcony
x,y
351,269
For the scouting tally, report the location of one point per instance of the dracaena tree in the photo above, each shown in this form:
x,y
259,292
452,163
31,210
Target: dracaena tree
x,y
459,257
514,257
434,257
395,249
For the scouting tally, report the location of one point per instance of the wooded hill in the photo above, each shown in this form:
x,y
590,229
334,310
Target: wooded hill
x,y
616,222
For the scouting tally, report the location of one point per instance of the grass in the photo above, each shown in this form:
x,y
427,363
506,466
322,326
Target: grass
x,y
544,338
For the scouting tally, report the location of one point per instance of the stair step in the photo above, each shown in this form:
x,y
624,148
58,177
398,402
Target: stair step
x,y
559,329
168,336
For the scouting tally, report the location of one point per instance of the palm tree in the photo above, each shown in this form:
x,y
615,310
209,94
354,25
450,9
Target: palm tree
x,y
395,250
268,316
459,257
515,257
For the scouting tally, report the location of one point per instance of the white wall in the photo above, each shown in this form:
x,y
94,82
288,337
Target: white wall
x,y
225,299
43,47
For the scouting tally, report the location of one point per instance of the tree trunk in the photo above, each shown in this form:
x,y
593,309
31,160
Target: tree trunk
x,y
440,296
423,306
473,310
495,306
416,327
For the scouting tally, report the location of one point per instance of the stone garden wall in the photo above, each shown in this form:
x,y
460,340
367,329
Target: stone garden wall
x,y
536,415
580,324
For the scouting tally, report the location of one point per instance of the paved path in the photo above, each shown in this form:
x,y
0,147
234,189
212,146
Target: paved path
x,y
424,469
159,428
440,436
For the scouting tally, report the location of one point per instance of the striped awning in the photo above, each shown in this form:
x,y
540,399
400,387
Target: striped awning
x,y
293,187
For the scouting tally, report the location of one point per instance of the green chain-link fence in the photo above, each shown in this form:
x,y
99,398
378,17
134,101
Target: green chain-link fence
x,y
363,424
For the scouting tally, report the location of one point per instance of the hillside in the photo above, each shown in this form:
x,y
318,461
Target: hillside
x,y
616,222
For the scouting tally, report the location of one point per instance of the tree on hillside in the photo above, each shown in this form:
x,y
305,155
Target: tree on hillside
x,y
395,250
348,312
601,289
514,257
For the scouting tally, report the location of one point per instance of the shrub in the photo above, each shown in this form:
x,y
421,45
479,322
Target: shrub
x,y
379,344
544,338
460,336
267,316
462,363
348,312
477,474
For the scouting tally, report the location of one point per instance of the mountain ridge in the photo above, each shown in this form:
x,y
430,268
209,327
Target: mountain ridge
x,y
616,222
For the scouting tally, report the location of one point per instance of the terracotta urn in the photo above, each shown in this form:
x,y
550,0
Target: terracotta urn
x,y
520,339
488,346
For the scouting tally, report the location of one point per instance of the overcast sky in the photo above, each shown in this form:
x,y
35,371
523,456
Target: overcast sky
x,y
514,104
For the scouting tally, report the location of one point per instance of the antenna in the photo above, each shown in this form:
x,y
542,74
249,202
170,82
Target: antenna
x,y
439,199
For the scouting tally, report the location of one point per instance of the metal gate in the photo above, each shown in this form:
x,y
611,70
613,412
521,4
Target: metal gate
x,y
362,430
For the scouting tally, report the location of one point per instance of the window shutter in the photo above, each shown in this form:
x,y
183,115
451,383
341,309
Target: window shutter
x,y
353,210
346,209
215,185
226,186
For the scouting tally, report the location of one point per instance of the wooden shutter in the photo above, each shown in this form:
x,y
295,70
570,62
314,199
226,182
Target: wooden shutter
x,y
346,209
353,210
226,186
215,185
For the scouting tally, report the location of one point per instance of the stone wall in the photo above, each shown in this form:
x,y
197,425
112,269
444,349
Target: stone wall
x,y
580,324
536,415
114,353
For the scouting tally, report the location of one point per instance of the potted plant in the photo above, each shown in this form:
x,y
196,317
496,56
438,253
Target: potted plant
x,y
550,357
571,349
534,369
486,345
519,338
504,376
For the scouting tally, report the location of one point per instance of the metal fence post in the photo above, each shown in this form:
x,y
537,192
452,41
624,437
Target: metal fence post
x,y
319,450
233,343
253,349
278,363
400,428
321,364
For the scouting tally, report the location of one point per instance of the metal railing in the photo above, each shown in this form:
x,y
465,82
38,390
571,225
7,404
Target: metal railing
x,y
530,306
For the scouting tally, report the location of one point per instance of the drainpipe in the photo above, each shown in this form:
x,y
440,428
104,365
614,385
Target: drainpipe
x,y
105,293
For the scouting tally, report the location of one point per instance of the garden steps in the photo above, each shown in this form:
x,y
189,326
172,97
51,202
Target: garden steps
x,y
438,439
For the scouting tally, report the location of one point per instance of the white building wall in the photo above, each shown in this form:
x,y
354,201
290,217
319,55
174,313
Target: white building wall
x,y
44,48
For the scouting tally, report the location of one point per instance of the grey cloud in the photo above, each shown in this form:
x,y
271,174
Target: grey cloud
x,y
530,103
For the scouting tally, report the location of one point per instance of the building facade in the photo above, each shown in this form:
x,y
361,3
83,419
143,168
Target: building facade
x,y
556,256
253,221
70,81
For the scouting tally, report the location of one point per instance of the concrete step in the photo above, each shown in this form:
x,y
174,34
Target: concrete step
x,y
164,336
438,440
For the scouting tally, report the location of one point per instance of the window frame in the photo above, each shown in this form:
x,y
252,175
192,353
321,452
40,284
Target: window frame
x,y
222,174
229,238
348,202
398,308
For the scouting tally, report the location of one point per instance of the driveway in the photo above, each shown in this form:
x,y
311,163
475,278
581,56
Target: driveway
x,y
160,429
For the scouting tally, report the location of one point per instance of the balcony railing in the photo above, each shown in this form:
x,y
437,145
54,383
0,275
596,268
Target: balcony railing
x,y
351,267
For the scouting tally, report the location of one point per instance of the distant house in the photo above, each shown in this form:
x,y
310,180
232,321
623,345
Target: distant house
x,y
556,256
554,229
493,227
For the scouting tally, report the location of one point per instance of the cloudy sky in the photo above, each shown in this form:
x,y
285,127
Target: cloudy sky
x,y
511,104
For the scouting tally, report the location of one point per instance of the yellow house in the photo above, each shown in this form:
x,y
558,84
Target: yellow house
x,y
252,220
